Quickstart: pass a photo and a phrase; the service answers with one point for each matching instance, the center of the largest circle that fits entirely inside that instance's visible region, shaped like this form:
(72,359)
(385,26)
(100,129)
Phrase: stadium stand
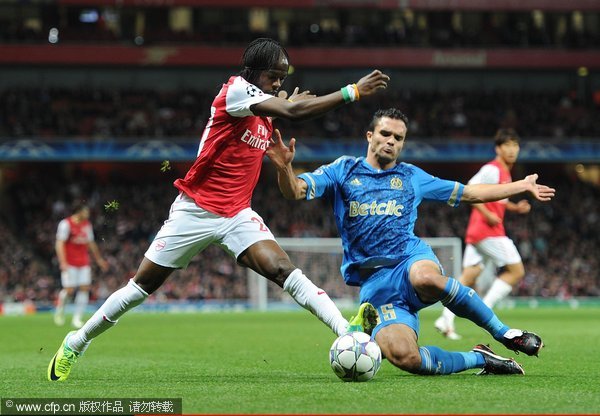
(100,72)
(102,114)
(557,241)
(362,24)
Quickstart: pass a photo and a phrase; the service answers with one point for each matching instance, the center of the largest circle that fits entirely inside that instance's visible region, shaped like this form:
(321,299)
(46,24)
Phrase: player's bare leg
(398,343)
(269,260)
(470,274)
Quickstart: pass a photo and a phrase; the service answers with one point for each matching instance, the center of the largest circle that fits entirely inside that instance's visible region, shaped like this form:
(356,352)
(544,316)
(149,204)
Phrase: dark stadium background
(95,95)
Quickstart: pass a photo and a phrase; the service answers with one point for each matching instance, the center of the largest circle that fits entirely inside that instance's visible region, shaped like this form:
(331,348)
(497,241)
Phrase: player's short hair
(261,54)
(505,135)
(78,206)
(390,113)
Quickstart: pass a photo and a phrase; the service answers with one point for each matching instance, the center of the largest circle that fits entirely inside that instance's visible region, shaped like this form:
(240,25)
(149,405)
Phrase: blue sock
(435,360)
(465,302)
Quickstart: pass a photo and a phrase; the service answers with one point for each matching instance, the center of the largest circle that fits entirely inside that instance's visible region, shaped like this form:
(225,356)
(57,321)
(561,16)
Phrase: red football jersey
(76,236)
(491,173)
(231,151)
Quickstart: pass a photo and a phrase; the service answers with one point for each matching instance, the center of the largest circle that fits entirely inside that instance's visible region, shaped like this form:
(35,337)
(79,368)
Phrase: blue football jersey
(375,210)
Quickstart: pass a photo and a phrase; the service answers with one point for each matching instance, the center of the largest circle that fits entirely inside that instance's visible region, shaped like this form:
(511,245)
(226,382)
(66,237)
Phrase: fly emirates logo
(259,140)
(374,208)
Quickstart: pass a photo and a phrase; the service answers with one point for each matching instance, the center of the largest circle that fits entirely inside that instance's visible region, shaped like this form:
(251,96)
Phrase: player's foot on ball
(522,341)
(60,365)
(494,364)
(365,320)
(441,324)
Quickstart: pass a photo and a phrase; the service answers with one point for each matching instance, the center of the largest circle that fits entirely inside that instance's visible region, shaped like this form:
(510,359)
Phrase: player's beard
(385,160)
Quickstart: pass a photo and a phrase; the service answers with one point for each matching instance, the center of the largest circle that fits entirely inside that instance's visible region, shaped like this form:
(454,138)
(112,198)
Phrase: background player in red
(213,206)
(74,240)
(486,239)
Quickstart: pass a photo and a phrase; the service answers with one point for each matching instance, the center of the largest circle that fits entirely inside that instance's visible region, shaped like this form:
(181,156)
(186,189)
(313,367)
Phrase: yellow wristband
(356,94)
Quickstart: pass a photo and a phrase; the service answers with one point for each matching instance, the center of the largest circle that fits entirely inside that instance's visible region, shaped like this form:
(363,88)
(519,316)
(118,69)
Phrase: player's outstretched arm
(312,106)
(282,156)
(372,83)
(540,192)
(296,95)
(477,193)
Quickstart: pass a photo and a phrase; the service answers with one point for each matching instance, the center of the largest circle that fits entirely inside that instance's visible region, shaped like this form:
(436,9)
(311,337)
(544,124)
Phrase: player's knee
(520,272)
(277,269)
(405,359)
(469,275)
(515,272)
(428,281)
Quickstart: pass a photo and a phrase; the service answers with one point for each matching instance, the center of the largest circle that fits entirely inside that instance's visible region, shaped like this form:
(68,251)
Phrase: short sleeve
(62,233)
(90,232)
(488,174)
(321,182)
(436,189)
(241,95)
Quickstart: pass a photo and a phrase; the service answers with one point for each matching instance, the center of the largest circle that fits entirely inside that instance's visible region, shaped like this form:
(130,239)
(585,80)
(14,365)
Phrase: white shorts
(500,250)
(190,229)
(76,276)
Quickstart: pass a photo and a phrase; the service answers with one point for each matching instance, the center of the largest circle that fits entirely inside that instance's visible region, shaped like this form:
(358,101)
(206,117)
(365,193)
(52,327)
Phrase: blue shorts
(390,291)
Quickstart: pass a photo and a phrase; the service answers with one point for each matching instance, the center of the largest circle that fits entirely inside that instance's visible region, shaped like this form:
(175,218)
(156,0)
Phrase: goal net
(320,259)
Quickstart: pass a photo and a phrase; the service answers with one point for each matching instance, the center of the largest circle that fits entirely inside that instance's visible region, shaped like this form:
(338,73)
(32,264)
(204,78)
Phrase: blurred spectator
(348,26)
(559,241)
(103,114)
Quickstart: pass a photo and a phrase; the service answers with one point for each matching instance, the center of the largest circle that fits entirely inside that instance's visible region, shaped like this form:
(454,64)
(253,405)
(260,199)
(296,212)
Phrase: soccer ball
(355,356)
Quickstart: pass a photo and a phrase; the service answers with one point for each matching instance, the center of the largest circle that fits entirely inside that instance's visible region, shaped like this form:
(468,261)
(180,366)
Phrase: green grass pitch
(278,363)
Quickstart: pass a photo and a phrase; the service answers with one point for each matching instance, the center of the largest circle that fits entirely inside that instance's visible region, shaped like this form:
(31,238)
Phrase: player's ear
(369,136)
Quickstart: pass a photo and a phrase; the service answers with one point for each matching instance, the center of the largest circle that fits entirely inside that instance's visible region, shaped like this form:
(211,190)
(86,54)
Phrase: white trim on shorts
(190,229)
(76,276)
(500,250)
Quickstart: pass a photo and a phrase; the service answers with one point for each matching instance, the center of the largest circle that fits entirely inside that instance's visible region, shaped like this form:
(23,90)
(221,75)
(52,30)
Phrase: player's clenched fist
(371,83)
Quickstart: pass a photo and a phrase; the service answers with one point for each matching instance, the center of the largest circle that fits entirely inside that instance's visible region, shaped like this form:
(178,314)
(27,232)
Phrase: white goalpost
(320,259)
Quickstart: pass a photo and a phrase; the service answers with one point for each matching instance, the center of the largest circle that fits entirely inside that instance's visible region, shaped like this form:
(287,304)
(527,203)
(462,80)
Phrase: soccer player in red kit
(74,240)
(486,238)
(213,206)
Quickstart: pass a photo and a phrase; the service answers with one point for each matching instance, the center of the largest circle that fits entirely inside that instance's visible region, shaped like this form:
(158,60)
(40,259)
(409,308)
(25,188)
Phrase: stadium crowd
(350,27)
(558,241)
(103,114)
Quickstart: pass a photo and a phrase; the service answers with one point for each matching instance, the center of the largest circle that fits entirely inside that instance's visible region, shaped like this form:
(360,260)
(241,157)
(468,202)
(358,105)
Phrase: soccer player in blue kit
(375,202)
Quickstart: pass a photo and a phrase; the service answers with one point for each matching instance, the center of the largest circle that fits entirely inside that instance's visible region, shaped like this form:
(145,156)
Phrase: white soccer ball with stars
(355,356)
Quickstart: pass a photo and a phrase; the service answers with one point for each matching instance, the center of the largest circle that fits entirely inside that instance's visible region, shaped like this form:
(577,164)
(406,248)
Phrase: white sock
(60,304)
(81,300)
(499,290)
(315,300)
(449,317)
(106,317)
